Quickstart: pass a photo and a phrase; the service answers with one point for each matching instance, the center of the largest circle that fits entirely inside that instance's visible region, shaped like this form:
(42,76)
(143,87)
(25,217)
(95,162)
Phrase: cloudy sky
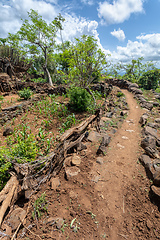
(126,29)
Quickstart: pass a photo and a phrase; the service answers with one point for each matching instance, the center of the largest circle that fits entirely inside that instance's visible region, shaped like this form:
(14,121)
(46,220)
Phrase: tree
(150,79)
(39,37)
(87,61)
(136,68)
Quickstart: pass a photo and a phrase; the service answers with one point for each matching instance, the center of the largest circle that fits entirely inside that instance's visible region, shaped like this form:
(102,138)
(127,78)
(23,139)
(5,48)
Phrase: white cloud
(13,11)
(119,11)
(77,26)
(146,46)
(88,2)
(119,34)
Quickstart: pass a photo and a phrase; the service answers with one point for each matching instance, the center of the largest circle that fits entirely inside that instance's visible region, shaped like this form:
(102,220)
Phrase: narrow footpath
(118,172)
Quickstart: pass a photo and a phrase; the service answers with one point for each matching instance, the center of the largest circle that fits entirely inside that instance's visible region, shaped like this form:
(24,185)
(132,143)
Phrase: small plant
(40,206)
(1,98)
(70,120)
(120,94)
(80,99)
(25,94)
(74,225)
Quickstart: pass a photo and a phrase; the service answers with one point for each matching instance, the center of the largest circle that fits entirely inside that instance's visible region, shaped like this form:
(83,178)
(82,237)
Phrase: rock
(149,141)
(94,136)
(155,190)
(158,142)
(95,178)
(149,131)
(135,90)
(71,172)
(119,145)
(67,161)
(99,160)
(105,140)
(109,114)
(156,178)
(146,162)
(8,131)
(102,150)
(81,146)
(125,138)
(155,104)
(147,105)
(55,183)
(51,221)
(153,125)
(76,160)
(123,113)
(129,130)
(157,120)
(72,194)
(16,217)
(143,119)
(153,153)
(57,221)
(149,224)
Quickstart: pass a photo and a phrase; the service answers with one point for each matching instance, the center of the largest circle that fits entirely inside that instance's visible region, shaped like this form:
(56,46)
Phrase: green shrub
(149,80)
(120,94)
(80,99)
(25,94)
(158,90)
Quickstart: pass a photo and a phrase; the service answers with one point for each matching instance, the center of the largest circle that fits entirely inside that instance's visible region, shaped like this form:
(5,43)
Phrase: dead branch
(12,195)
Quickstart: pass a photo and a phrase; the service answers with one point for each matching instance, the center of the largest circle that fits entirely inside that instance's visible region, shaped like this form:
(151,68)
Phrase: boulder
(149,141)
(147,105)
(149,131)
(143,119)
(8,131)
(94,136)
(153,153)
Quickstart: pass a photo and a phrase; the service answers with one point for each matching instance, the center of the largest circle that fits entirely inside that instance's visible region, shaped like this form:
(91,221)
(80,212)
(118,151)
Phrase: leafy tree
(135,69)
(150,79)
(87,61)
(39,37)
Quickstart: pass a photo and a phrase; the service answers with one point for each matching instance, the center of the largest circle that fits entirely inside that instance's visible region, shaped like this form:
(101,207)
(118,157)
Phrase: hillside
(100,179)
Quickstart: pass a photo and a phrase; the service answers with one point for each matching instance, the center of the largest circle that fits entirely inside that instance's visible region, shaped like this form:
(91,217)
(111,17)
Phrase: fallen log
(10,199)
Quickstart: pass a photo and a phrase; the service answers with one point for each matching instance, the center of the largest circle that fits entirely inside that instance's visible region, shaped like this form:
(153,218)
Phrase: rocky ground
(109,189)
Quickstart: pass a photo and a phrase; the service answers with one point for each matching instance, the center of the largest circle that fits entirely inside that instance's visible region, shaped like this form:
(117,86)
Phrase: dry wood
(77,130)
(7,188)
(9,199)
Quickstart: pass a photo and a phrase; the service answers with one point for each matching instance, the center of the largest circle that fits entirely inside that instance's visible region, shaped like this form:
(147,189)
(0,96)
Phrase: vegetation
(80,99)
(150,79)
(25,94)
(39,206)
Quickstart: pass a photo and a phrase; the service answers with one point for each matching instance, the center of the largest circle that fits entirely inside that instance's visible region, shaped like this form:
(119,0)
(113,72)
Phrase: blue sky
(125,29)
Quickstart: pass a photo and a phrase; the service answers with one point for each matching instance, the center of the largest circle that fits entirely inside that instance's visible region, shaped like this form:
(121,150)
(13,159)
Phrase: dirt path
(119,171)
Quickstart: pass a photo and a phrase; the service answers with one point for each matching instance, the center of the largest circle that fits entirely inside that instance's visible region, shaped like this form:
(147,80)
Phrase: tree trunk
(46,69)
(49,77)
